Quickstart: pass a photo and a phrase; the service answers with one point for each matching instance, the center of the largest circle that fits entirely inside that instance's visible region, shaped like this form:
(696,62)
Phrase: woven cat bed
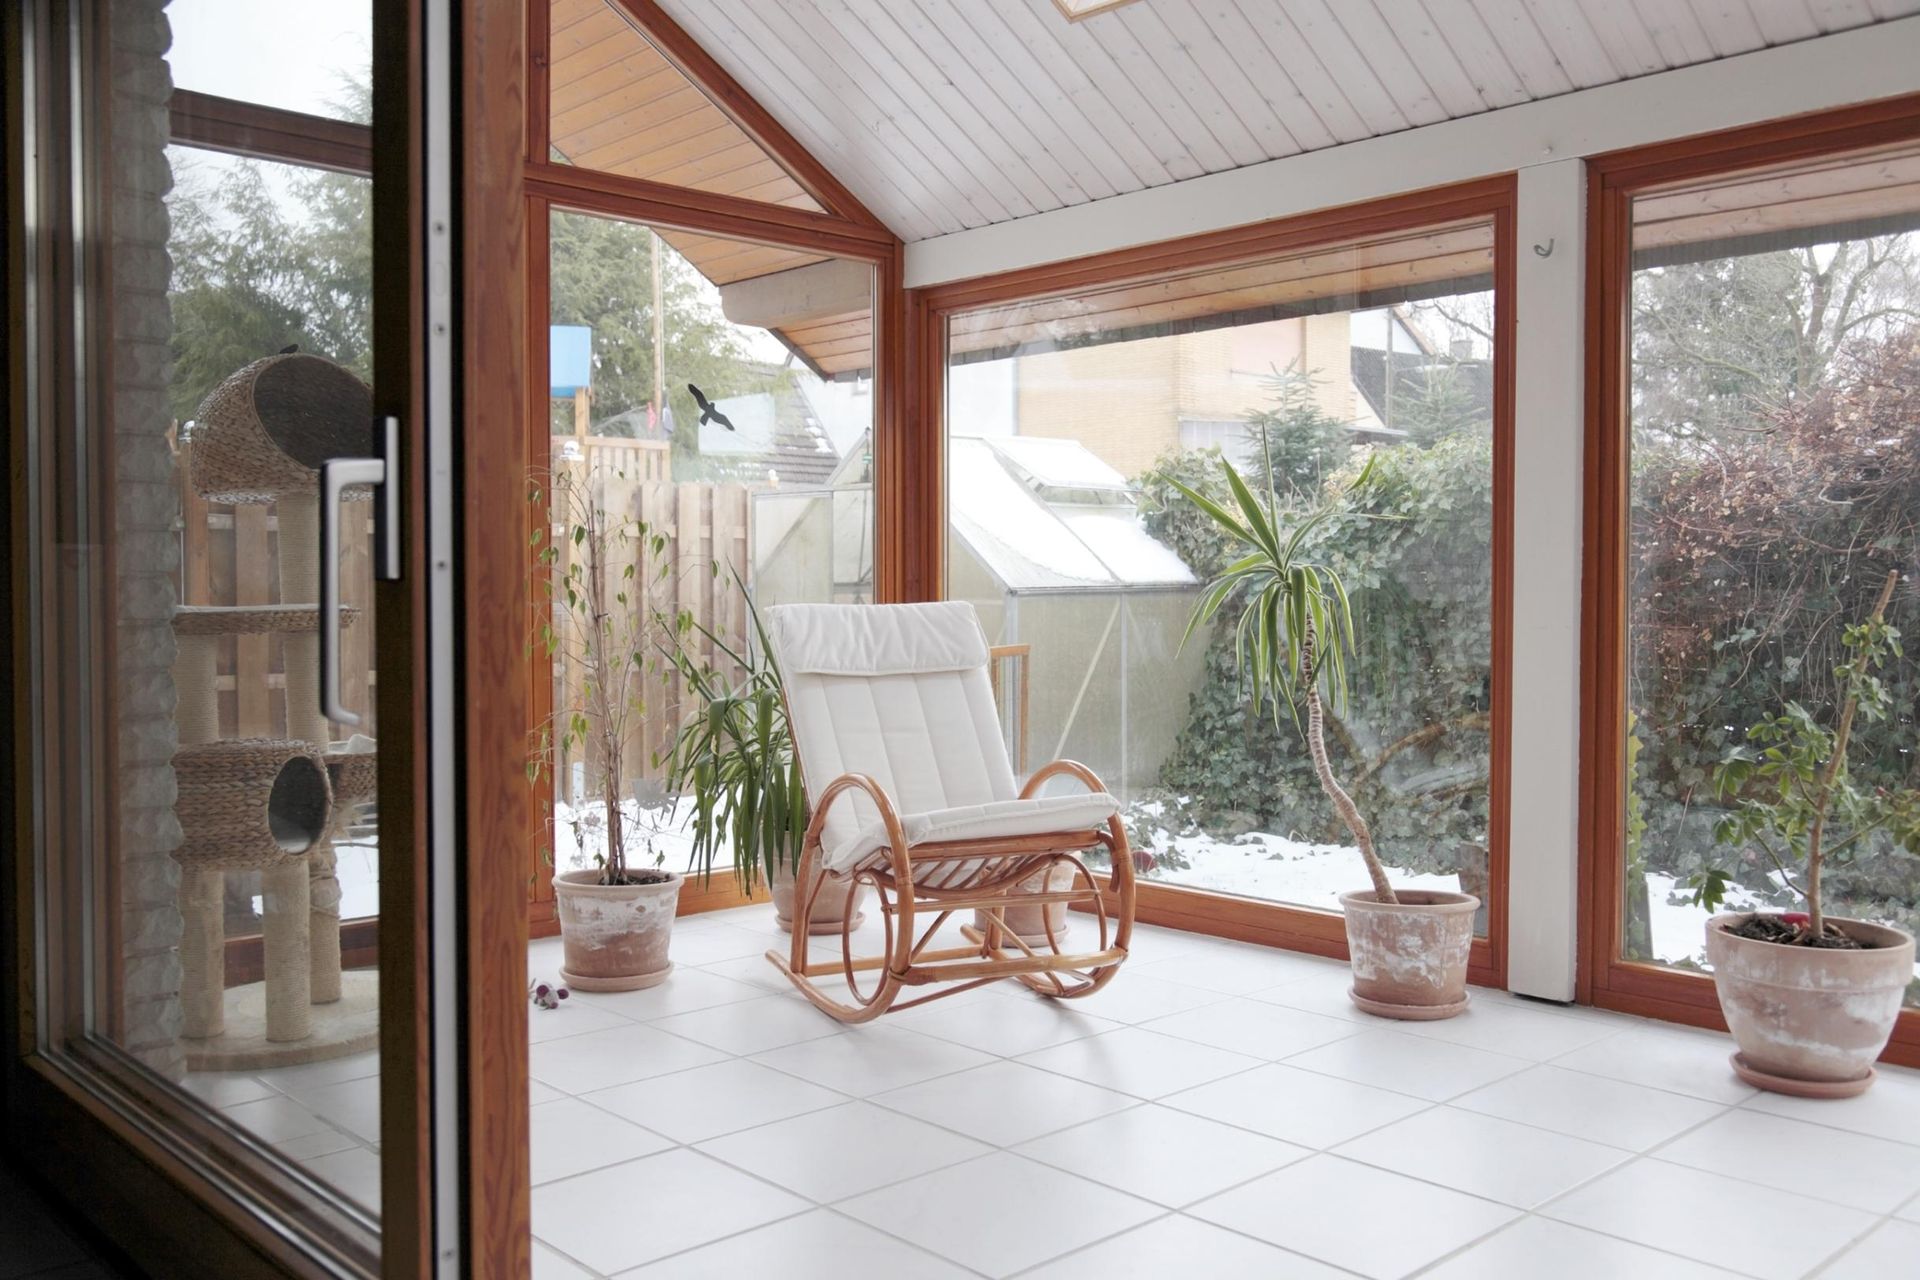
(249,803)
(355,776)
(253,619)
(266,430)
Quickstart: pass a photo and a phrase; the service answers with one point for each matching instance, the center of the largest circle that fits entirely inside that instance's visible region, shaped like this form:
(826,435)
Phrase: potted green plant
(733,757)
(1811,999)
(1294,630)
(616,917)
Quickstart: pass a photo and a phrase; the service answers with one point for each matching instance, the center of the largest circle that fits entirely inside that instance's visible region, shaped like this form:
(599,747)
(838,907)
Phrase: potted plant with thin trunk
(1408,949)
(592,570)
(733,757)
(1811,998)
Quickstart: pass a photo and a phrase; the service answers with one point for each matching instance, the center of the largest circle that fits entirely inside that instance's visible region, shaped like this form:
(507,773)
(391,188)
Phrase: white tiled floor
(1220,1110)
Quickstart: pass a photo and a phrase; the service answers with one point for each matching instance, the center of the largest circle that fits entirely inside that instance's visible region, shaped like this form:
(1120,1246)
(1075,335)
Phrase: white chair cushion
(899,692)
(1040,815)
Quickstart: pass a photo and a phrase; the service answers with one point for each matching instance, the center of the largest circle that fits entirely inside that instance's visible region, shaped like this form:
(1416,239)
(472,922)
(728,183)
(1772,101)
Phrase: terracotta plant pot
(615,936)
(831,907)
(1030,923)
(1809,1020)
(1410,959)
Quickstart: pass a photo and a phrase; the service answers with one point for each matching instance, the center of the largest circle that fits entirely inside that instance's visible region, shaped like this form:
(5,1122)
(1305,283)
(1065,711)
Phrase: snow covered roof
(1005,493)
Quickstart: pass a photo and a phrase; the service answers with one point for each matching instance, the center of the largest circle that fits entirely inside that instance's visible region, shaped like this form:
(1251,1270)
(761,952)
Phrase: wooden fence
(230,555)
(706,531)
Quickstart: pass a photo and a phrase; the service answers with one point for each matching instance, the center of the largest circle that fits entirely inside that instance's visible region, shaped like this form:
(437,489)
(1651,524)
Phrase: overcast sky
(277,52)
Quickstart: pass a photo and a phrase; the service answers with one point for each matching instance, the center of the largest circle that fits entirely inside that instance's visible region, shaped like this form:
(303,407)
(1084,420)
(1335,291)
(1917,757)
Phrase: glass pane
(1775,480)
(616,105)
(230,840)
(1069,423)
(315,57)
(718,426)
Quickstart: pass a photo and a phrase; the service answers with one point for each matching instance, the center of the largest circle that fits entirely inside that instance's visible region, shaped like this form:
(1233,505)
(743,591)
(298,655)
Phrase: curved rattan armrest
(896,836)
(1070,768)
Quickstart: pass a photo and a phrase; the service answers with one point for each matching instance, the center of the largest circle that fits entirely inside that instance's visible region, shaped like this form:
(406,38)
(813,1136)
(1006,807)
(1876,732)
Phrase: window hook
(1546,250)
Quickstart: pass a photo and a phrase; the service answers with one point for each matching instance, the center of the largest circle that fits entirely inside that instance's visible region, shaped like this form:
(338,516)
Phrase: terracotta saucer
(1408,1012)
(1801,1088)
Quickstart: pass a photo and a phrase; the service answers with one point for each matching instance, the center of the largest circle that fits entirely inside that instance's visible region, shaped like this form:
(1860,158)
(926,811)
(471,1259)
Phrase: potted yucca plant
(1811,999)
(733,758)
(592,570)
(1292,635)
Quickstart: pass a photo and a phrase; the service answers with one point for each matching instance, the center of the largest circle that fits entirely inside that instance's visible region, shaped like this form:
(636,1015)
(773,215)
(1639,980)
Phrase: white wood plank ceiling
(948,114)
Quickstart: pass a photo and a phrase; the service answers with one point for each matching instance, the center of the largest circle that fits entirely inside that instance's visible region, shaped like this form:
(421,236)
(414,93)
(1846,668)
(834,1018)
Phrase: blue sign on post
(569,358)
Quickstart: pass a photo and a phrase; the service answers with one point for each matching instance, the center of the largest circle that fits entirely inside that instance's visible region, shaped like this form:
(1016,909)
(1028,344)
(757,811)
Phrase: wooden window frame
(1494,199)
(846,229)
(1604,978)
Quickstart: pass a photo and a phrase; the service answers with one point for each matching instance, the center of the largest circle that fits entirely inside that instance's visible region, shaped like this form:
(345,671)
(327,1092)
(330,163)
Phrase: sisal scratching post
(289,956)
(203,935)
(300,580)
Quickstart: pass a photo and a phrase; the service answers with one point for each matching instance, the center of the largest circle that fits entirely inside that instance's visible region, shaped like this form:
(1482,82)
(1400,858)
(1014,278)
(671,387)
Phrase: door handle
(336,476)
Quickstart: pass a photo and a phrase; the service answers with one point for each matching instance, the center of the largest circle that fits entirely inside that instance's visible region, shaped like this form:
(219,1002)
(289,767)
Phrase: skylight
(1074,10)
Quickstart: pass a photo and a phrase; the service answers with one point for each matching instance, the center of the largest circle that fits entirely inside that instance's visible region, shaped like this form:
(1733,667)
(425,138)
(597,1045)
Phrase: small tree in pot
(1811,999)
(1292,638)
(592,574)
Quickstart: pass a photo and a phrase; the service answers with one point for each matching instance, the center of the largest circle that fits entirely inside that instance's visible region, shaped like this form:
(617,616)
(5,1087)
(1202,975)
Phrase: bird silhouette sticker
(707,412)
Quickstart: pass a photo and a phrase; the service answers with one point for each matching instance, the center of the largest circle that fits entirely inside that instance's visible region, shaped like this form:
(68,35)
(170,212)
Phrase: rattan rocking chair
(900,749)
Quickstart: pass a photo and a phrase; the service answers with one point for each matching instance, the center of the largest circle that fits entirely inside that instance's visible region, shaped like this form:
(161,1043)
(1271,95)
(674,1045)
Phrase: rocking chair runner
(900,749)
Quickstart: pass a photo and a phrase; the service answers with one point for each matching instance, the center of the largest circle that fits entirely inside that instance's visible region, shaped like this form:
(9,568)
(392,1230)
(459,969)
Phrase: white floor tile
(1297,1106)
(1890,1109)
(354,1172)
(570,1136)
(1339,1211)
(225,1088)
(620,1217)
(312,1075)
(871,1059)
(1599,1109)
(275,1119)
(722,942)
(842,1151)
(1326,992)
(353,1105)
(1231,970)
(748,1026)
(1177,1245)
(1432,1069)
(1892,1250)
(999,1214)
(721,1097)
(1136,996)
(1163,1155)
(1912,1210)
(1832,1164)
(1517,1030)
(1142,1063)
(323,1143)
(1007,1027)
(1541,1247)
(1771,1234)
(684,991)
(1004,1102)
(1253,1027)
(1678,1059)
(602,1059)
(538,1093)
(821,1245)
(1515,1164)
(548,1265)
(574,1016)
(755,971)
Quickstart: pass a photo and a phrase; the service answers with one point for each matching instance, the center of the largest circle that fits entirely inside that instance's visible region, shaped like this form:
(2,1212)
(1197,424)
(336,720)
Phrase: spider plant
(734,755)
(1294,630)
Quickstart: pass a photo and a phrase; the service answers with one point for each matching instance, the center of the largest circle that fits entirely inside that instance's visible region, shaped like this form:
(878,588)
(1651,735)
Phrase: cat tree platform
(339,1029)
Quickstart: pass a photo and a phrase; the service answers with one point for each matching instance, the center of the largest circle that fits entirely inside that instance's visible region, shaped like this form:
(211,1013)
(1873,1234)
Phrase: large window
(1069,419)
(1773,482)
(717,397)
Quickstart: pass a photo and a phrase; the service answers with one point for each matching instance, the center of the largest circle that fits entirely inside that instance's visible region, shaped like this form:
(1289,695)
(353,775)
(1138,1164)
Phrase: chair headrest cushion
(876,639)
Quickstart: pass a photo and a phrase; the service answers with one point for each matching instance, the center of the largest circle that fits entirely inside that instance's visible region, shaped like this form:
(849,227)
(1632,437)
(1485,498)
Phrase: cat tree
(275,805)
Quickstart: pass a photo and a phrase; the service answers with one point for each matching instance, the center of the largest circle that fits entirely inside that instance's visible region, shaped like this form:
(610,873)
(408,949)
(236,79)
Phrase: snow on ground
(1274,868)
